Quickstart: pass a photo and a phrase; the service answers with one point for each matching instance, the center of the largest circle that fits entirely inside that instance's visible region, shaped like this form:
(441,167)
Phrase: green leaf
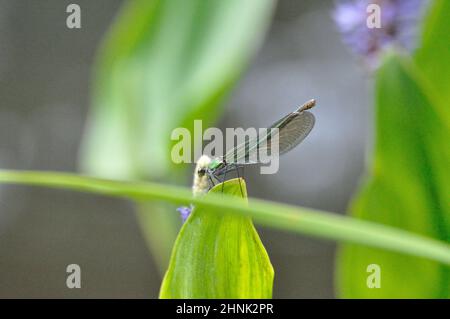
(288,218)
(433,64)
(433,56)
(404,188)
(218,255)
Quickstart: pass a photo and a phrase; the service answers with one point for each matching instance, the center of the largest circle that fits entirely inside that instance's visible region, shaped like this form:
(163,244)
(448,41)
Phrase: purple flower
(399,24)
(185,211)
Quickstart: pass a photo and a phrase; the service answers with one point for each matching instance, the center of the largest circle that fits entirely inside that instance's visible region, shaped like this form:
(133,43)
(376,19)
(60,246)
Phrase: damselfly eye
(201,172)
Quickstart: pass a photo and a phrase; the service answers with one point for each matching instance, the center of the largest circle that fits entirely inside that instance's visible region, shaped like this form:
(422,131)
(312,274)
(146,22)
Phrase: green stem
(296,219)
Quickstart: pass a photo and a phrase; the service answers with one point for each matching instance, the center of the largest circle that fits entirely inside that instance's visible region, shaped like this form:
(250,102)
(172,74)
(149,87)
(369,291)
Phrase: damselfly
(289,132)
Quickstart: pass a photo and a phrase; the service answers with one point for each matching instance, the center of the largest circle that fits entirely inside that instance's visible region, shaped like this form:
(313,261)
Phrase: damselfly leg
(223,180)
(239,179)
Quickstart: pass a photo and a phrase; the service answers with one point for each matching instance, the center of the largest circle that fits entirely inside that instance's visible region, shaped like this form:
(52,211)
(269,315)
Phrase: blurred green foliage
(163,64)
(409,179)
(219,255)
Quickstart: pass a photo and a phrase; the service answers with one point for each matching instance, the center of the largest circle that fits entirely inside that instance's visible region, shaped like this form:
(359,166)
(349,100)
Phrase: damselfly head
(200,184)
(203,163)
(201,172)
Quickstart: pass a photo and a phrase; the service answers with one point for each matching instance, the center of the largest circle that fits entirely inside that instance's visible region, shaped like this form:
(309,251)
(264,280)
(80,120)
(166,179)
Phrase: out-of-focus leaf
(432,58)
(160,224)
(433,62)
(403,189)
(218,255)
(409,185)
(163,64)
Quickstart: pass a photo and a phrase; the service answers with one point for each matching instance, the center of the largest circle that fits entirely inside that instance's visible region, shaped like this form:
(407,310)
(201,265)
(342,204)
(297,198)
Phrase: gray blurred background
(45,71)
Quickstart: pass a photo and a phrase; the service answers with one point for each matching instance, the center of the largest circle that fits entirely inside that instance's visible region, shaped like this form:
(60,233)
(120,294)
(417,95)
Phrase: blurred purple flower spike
(185,211)
(400,21)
